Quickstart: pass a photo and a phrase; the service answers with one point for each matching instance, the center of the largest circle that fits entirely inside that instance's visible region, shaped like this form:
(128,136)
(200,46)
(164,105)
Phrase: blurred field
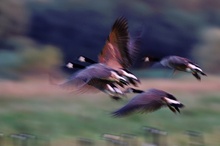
(38,36)
(34,106)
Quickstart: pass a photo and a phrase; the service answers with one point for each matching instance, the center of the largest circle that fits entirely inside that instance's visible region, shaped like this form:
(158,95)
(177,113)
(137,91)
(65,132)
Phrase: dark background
(76,27)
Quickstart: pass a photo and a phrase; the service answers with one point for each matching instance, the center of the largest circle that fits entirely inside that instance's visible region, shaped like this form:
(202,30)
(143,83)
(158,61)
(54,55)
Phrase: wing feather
(115,53)
(142,103)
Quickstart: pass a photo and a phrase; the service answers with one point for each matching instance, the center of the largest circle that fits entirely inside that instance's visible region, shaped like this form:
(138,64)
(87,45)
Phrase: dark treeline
(81,27)
(169,31)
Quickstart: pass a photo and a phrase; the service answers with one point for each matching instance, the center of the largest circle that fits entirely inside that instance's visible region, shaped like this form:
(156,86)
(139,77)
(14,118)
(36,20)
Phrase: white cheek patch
(194,67)
(171,101)
(82,59)
(146,59)
(69,65)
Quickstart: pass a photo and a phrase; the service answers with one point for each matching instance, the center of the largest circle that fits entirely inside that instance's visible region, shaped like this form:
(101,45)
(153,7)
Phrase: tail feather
(176,107)
(202,73)
(180,105)
(116,98)
(133,82)
(196,75)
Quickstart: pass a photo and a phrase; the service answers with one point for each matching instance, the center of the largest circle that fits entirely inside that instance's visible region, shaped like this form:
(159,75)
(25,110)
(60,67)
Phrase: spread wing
(86,76)
(115,52)
(93,86)
(142,103)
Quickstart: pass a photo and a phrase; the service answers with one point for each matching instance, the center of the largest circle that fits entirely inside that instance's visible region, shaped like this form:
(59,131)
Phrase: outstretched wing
(83,77)
(142,103)
(115,52)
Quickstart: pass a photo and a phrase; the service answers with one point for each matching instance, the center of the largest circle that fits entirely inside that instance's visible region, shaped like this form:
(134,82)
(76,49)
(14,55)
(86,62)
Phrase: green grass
(58,118)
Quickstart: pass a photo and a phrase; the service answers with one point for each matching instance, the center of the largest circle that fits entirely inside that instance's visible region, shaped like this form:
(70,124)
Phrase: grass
(63,118)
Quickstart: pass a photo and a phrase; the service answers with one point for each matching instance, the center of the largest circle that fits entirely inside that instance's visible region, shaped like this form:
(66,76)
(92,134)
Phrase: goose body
(119,51)
(94,78)
(105,74)
(148,101)
(181,64)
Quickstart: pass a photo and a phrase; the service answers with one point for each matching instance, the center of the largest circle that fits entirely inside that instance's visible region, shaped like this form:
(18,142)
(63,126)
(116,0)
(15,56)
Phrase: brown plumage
(148,101)
(119,51)
(115,53)
(179,63)
(112,60)
(94,78)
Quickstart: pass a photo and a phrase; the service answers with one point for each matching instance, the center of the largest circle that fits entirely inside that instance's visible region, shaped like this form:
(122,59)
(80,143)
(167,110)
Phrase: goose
(122,71)
(119,51)
(106,73)
(148,101)
(179,63)
(93,77)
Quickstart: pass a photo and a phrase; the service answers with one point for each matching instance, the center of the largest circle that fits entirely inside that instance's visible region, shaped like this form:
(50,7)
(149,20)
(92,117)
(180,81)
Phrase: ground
(37,107)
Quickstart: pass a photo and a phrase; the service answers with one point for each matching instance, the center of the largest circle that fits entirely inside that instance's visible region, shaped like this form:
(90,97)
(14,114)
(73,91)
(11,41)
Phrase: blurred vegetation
(56,117)
(13,18)
(168,27)
(37,35)
(208,50)
(25,59)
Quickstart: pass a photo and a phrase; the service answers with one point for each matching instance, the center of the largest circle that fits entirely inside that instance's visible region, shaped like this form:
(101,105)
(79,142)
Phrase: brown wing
(83,77)
(144,103)
(115,52)
(78,86)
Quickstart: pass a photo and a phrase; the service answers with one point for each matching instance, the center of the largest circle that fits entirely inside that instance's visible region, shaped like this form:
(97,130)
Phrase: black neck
(153,59)
(137,91)
(75,65)
(89,60)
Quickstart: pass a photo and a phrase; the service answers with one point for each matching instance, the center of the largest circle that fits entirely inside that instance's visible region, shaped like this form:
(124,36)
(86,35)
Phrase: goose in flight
(148,101)
(119,51)
(179,63)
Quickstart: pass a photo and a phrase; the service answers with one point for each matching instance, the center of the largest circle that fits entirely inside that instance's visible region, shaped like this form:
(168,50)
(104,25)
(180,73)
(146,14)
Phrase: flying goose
(179,63)
(119,51)
(94,78)
(109,71)
(148,101)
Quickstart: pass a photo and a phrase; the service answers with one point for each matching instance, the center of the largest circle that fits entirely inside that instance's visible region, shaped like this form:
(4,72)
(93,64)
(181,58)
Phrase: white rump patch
(110,88)
(194,67)
(128,74)
(116,76)
(118,91)
(171,101)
